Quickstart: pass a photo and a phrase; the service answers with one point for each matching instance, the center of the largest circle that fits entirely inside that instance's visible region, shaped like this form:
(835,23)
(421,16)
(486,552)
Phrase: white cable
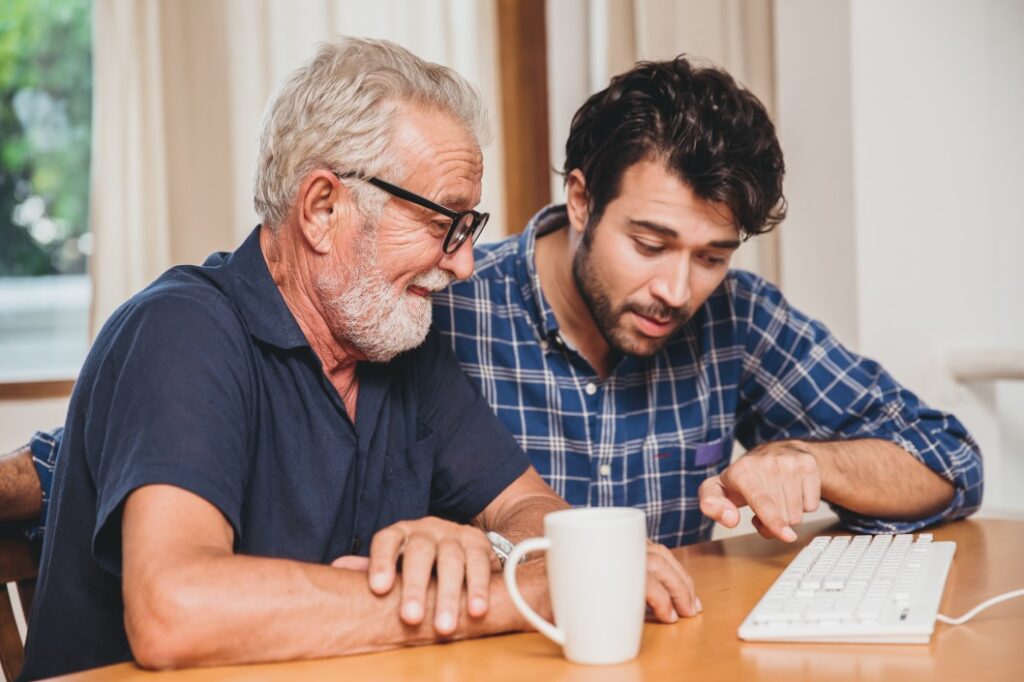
(979,608)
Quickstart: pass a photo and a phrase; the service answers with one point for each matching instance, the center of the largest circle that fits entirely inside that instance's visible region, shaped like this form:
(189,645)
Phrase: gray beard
(364,312)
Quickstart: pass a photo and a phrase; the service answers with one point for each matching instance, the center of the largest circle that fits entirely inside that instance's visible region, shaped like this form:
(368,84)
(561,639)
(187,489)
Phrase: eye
(712,261)
(647,248)
(439,228)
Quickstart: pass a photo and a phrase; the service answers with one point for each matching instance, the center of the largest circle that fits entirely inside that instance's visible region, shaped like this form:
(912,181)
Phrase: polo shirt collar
(545,221)
(257,297)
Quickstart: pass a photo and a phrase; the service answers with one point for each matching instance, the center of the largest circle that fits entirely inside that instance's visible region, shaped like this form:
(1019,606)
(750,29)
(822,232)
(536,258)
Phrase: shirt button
(590,388)
(356,546)
(605,469)
(544,344)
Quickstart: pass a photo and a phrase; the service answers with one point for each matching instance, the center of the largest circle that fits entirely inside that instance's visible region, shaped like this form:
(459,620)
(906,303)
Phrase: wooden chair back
(18,565)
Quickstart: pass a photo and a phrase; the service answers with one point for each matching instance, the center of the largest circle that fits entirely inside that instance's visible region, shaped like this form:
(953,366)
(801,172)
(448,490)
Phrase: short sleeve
(168,406)
(799,382)
(478,458)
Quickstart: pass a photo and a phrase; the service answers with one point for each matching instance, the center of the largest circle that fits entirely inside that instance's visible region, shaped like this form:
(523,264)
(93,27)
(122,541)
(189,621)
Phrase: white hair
(336,113)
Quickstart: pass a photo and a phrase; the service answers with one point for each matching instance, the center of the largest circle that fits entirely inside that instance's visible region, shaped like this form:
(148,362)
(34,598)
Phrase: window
(45,121)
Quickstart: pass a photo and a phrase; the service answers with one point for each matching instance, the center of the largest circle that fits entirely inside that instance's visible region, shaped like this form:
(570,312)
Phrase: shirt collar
(257,297)
(545,221)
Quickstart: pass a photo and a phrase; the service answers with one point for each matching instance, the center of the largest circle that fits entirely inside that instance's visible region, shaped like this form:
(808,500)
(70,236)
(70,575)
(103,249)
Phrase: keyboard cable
(979,608)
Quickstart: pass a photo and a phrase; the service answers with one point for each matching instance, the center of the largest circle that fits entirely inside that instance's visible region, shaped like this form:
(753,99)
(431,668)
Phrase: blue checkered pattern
(748,367)
(43,447)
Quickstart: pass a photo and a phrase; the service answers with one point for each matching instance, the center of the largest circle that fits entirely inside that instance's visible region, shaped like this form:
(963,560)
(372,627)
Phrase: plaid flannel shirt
(43,446)
(747,367)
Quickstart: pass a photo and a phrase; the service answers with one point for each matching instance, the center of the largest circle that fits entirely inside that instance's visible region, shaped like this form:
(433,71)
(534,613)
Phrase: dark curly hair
(708,129)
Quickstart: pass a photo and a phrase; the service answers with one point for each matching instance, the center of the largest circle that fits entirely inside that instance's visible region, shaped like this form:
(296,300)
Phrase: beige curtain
(129,203)
(592,40)
(179,89)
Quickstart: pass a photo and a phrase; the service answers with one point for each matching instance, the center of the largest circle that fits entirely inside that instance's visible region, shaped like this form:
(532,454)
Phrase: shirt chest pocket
(671,456)
(408,472)
(679,469)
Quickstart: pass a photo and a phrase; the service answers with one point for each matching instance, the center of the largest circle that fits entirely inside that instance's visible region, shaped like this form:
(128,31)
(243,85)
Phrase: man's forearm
(526,519)
(236,609)
(878,478)
(518,513)
(21,497)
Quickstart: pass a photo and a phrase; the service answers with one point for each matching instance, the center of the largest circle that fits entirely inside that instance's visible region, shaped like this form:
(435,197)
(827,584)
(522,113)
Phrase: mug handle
(518,552)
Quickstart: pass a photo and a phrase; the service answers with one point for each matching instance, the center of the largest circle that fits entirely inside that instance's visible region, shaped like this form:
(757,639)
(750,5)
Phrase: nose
(672,287)
(460,263)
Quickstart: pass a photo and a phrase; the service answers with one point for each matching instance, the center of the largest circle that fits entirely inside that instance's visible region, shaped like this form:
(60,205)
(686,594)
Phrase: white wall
(901,127)
(19,419)
(814,118)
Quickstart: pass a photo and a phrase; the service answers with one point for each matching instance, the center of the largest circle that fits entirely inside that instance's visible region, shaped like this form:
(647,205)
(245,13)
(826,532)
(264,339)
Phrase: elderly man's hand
(464,551)
(670,591)
(780,481)
(461,554)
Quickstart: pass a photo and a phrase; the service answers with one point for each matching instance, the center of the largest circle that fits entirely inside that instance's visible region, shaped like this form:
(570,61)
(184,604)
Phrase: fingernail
(479,606)
(788,534)
(696,602)
(673,617)
(378,581)
(729,516)
(412,611)
(445,622)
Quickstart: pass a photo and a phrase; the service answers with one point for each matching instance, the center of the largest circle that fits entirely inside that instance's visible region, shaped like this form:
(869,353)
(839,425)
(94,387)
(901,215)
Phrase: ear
(577,201)
(325,207)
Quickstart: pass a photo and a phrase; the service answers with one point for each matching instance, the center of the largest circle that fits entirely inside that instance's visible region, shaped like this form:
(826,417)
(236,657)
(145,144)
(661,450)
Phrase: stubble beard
(608,317)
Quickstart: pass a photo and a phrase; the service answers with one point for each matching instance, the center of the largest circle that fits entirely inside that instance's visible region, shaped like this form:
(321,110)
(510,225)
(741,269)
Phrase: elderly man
(237,427)
(626,357)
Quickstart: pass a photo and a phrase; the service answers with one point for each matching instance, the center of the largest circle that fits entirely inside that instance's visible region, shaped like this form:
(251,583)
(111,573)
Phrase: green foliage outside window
(45,128)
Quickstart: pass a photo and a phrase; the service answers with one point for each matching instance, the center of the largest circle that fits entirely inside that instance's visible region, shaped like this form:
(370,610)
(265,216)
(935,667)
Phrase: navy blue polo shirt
(205,381)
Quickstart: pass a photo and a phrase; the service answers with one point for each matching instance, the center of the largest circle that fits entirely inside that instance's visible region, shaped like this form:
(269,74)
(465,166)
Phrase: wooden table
(731,575)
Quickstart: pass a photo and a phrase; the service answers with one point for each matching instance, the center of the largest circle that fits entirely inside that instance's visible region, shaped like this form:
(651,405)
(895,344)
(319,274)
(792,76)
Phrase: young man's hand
(670,590)
(779,481)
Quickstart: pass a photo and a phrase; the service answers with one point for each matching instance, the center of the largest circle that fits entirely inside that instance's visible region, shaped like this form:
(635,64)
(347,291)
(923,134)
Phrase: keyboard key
(811,583)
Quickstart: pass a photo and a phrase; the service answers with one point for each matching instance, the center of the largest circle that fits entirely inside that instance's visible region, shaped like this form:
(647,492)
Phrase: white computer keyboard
(881,589)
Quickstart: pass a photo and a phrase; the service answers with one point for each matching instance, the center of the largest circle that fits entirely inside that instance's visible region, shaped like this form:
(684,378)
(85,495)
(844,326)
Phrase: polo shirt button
(606,469)
(544,344)
(590,388)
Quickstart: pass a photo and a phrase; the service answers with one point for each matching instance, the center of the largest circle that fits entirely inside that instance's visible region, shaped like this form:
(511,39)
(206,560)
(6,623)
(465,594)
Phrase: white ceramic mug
(597,574)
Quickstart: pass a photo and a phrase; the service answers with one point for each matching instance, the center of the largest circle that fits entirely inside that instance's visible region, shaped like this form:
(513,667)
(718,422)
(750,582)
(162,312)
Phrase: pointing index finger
(773,517)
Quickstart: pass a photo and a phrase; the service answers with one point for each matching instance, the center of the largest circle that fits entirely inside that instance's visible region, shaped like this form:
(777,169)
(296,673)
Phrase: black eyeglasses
(464,223)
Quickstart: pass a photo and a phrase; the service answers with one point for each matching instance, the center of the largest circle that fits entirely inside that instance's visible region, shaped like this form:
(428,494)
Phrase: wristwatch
(502,547)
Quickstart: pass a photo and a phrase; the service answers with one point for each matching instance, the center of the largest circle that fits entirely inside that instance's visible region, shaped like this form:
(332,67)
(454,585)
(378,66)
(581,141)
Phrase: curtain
(128,202)
(179,90)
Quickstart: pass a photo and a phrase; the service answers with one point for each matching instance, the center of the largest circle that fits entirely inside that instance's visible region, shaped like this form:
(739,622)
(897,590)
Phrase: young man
(614,342)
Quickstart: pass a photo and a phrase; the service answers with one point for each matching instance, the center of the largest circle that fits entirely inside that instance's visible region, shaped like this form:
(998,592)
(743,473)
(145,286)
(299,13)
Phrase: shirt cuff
(959,507)
(43,447)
